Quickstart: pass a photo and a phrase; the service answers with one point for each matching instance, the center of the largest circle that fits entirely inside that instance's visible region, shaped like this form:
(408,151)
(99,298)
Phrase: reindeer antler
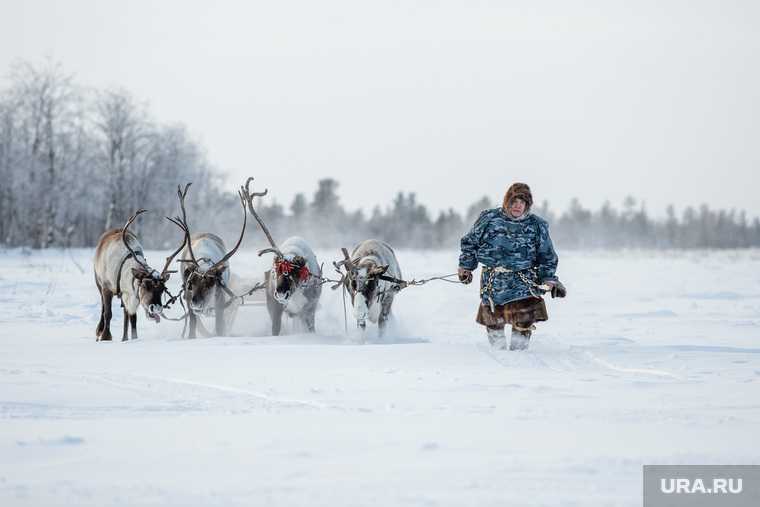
(182,222)
(240,239)
(347,262)
(246,192)
(126,243)
(185,237)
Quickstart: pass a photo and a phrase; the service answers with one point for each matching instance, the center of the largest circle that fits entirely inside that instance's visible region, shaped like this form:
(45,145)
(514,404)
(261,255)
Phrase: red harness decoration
(285,267)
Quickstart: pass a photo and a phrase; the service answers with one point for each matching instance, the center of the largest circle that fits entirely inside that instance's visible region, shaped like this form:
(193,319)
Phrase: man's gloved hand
(558,290)
(465,275)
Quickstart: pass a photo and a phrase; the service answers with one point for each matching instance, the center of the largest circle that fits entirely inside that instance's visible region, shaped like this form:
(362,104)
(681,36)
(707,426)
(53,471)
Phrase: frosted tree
(46,114)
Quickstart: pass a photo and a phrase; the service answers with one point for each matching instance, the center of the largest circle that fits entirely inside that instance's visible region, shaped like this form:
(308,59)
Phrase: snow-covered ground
(654,358)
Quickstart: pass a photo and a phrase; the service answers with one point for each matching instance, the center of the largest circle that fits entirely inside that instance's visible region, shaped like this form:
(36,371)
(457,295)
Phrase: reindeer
(205,272)
(293,284)
(369,272)
(122,271)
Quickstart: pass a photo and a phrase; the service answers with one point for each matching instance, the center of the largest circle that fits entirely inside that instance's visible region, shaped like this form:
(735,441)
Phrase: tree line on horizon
(408,223)
(76,161)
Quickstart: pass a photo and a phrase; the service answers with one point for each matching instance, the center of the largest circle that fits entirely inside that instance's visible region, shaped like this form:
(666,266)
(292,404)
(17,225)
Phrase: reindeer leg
(106,334)
(308,320)
(275,313)
(101,323)
(382,321)
(361,325)
(125,335)
(133,322)
(202,329)
(192,318)
(277,322)
(219,312)
(193,324)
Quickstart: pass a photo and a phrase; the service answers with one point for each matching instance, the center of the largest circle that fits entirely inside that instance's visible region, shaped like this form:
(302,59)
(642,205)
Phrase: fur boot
(497,337)
(519,340)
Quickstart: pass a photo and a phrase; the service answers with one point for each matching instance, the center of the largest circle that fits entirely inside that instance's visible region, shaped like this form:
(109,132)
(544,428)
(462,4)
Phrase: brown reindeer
(122,271)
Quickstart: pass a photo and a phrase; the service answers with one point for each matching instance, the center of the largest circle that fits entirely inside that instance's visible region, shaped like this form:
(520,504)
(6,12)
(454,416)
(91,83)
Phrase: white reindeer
(293,284)
(206,273)
(370,271)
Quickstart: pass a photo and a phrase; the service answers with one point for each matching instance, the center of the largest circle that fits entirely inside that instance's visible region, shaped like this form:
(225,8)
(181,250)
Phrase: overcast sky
(452,100)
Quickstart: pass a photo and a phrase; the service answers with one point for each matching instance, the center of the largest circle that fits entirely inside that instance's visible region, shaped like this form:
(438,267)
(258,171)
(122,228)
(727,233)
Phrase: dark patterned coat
(521,245)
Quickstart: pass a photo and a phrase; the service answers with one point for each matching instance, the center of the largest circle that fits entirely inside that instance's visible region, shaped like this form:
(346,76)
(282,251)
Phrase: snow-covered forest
(75,161)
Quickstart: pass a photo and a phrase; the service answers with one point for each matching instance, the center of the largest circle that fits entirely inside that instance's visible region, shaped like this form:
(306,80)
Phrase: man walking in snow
(518,257)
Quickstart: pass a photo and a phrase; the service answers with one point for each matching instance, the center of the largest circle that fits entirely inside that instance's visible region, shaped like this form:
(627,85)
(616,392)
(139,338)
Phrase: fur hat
(518,190)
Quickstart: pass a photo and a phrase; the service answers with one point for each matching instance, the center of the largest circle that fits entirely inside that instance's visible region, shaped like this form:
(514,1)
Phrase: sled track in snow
(154,395)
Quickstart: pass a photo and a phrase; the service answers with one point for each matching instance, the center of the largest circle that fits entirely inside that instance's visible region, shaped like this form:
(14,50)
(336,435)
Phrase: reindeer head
(202,277)
(288,275)
(363,285)
(149,284)
(150,291)
(201,286)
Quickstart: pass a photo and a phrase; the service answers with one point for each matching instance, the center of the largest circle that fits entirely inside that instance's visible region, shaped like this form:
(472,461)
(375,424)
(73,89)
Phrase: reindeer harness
(118,279)
(118,273)
(121,267)
(285,267)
